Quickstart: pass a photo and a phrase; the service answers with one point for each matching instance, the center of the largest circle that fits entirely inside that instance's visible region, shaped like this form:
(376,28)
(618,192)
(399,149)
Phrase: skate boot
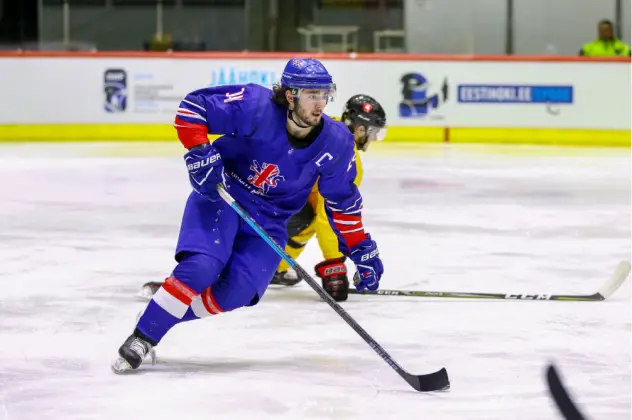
(286,278)
(132,353)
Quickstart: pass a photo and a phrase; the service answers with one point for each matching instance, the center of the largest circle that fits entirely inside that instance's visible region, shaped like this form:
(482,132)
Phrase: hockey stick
(436,381)
(611,286)
(560,395)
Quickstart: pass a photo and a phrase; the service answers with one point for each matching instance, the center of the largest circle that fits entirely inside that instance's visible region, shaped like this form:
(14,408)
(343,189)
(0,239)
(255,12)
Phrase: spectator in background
(161,42)
(607,45)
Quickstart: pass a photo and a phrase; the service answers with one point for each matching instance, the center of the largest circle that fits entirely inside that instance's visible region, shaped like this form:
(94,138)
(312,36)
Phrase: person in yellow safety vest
(366,119)
(607,45)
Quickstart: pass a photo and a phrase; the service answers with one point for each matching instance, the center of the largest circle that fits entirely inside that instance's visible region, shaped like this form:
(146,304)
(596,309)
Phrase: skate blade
(145,294)
(120,366)
(152,356)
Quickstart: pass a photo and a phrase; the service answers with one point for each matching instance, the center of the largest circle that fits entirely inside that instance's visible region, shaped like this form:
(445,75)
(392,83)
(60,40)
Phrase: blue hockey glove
(206,170)
(366,257)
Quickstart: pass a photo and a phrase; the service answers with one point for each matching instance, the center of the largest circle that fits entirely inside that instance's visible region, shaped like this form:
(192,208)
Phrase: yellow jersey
(325,235)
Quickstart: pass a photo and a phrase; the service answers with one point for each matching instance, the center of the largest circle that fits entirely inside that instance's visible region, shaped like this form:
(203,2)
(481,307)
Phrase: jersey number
(237,96)
(353,159)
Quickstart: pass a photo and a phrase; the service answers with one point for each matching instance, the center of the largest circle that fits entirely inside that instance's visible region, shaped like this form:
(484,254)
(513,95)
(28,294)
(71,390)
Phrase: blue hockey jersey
(268,176)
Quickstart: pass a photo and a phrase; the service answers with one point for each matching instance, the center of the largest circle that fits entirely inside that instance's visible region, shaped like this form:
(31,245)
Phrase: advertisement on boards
(139,91)
(552,98)
(239,75)
(142,92)
(115,90)
(422,97)
(414,93)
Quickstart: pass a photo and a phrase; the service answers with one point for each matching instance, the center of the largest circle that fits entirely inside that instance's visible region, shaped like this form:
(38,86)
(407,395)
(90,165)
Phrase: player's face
(364,136)
(361,140)
(310,106)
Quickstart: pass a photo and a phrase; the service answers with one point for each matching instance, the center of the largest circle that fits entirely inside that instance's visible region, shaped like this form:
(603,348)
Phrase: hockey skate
(132,353)
(286,278)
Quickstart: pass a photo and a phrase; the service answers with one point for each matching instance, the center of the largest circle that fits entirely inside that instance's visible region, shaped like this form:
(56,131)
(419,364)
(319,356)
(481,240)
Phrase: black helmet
(363,110)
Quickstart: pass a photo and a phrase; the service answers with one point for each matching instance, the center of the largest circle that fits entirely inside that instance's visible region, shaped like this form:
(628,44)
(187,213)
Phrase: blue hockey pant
(223,264)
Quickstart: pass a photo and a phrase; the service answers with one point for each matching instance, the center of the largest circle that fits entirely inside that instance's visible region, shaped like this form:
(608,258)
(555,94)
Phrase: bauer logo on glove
(336,269)
(205,171)
(366,257)
(373,254)
(200,164)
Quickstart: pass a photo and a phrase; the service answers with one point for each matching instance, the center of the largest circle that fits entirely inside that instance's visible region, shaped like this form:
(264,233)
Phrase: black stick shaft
(431,382)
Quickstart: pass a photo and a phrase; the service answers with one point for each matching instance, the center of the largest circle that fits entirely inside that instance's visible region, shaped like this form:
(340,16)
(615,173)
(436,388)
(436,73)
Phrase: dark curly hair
(279,97)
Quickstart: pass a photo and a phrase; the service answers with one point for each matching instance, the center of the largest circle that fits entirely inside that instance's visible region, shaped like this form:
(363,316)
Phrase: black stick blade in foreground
(563,401)
(437,381)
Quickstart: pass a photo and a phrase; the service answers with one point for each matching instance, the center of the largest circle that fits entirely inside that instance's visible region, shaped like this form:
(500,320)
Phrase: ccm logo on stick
(528,297)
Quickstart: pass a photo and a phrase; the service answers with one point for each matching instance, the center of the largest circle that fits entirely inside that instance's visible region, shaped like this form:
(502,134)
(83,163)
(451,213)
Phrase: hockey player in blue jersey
(275,145)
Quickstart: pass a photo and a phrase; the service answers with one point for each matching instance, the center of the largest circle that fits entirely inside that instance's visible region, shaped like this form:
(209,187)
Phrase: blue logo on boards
(419,96)
(515,94)
(115,90)
(236,76)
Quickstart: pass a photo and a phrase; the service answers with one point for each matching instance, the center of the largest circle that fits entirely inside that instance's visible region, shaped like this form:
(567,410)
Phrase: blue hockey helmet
(307,73)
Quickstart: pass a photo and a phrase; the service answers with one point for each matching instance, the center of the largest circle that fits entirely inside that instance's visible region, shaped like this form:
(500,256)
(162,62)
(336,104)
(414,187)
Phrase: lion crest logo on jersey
(266,176)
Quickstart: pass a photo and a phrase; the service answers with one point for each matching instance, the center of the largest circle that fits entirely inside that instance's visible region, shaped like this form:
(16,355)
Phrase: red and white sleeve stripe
(348,222)
(191,124)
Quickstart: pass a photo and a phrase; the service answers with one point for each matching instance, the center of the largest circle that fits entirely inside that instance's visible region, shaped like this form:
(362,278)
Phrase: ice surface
(83,226)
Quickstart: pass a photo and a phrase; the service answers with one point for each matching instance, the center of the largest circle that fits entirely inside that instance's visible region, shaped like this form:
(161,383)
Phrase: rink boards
(507,100)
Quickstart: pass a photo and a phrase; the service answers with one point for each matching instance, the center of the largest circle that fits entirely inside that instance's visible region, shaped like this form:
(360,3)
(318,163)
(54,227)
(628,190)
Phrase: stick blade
(617,279)
(561,397)
(437,381)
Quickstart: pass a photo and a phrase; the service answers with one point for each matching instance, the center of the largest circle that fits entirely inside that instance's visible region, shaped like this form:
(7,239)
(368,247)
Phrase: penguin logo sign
(420,96)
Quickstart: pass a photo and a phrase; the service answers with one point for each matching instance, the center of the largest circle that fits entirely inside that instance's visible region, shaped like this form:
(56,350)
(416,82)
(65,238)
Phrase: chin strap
(290,116)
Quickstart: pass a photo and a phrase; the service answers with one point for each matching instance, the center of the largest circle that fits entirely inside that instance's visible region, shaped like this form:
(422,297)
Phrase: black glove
(334,276)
